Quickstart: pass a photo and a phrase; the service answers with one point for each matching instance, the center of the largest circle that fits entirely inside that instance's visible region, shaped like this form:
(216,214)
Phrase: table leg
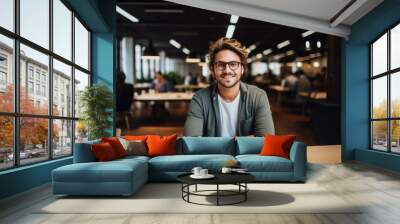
(245,193)
(217,194)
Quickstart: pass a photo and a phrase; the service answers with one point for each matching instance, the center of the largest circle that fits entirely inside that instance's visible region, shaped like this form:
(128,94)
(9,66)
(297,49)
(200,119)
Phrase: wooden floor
(376,189)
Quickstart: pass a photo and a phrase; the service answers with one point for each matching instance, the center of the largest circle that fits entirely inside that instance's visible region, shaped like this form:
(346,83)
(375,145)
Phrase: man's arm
(263,123)
(195,119)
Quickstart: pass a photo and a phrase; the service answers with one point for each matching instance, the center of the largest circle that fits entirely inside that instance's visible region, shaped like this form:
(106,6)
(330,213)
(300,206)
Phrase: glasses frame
(227,63)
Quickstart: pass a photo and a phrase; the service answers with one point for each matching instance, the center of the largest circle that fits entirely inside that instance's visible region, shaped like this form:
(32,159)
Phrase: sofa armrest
(83,152)
(298,155)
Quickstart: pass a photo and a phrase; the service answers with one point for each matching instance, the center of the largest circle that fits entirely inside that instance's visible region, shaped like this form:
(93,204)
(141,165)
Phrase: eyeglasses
(233,65)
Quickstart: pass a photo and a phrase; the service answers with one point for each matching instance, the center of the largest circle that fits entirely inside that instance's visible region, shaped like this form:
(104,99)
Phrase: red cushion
(161,145)
(116,145)
(277,145)
(103,151)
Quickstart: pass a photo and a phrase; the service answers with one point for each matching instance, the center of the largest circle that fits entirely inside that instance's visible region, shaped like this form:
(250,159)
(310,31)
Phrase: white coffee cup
(226,170)
(196,170)
(203,172)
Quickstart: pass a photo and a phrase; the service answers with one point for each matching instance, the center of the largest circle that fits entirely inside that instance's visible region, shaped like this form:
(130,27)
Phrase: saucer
(208,176)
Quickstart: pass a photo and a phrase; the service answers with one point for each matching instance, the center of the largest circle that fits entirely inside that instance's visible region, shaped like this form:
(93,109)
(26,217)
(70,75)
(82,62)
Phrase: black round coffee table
(238,179)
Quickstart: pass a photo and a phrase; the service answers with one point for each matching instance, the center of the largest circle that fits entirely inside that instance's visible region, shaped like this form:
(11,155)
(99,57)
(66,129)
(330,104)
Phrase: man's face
(227,68)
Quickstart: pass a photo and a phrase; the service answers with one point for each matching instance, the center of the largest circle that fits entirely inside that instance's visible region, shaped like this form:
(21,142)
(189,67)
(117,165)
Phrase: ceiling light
(319,44)
(278,57)
(193,60)
(307,44)
(234,19)
(267,52)
(283,44)
(307,33)
(259,56)
(174,43)
(251,48)
(299,64)
(126,14)
(316,64)
(229,31)
(185,50)
(163,10)
(291,52)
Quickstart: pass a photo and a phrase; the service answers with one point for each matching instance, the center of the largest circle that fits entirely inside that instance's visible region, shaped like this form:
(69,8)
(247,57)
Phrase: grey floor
(378,189)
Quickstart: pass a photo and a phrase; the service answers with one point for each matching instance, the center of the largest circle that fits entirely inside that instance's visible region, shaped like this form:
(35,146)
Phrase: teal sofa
(125,176)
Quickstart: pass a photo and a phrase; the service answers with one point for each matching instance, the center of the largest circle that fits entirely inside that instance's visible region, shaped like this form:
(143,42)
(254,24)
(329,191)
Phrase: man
(229,107)
(124,99)
(159,83)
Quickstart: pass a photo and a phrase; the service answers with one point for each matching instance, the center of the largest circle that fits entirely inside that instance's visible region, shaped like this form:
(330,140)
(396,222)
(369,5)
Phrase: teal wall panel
(355,91)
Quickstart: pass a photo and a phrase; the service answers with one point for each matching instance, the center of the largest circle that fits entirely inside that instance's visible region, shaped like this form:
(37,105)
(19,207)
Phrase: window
(385,94)
(34,22)
(7,14)
(30,87)
(3,78)
(30,72)
(62,29)
(45,131)
(81,45)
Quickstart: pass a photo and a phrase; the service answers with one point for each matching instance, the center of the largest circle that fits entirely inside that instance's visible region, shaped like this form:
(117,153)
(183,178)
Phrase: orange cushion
(161,145)
(103,151)
(116,145)
(277,145)
(136,137)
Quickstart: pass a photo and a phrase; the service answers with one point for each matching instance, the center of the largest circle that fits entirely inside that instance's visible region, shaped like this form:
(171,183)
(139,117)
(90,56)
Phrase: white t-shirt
(229,114)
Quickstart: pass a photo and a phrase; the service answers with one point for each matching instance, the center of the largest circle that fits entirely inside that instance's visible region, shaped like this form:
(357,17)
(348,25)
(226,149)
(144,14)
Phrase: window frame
(16,114)
(388,74)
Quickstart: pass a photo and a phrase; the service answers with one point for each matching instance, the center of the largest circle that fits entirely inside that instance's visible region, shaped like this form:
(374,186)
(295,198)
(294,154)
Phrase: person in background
(124,98)
(160,84)
(188,79)
(229,107)
(291,80)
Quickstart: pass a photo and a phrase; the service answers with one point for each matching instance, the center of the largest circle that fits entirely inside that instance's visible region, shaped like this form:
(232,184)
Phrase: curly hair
(225,43)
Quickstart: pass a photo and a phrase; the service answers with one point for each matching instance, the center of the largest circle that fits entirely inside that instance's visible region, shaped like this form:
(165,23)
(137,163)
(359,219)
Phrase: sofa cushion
(134,147)
(277,145)
(185,163)
(161,145)
(208,145)
(249,145)
(103,151)
(112,171)
(257,163)
(116,145)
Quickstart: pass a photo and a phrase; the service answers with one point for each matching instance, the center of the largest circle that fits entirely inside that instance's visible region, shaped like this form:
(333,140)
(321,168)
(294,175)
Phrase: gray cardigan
(254,118)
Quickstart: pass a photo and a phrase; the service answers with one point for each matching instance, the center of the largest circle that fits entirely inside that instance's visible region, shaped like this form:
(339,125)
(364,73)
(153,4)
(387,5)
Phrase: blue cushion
(257,163)
(208,145)
(249,145)
(83,153)
(185,163)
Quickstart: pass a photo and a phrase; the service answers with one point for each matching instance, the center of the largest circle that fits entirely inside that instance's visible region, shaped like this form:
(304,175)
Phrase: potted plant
(96,104)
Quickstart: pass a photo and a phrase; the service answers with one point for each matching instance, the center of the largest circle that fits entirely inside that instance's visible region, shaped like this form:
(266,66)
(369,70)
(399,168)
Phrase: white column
(127,49)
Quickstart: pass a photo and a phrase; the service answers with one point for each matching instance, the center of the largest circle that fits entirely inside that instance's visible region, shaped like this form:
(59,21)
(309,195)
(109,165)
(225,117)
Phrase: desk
(280,90)
(190,87)
(168,96)
(158,108)
(139,87)
(321,95)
